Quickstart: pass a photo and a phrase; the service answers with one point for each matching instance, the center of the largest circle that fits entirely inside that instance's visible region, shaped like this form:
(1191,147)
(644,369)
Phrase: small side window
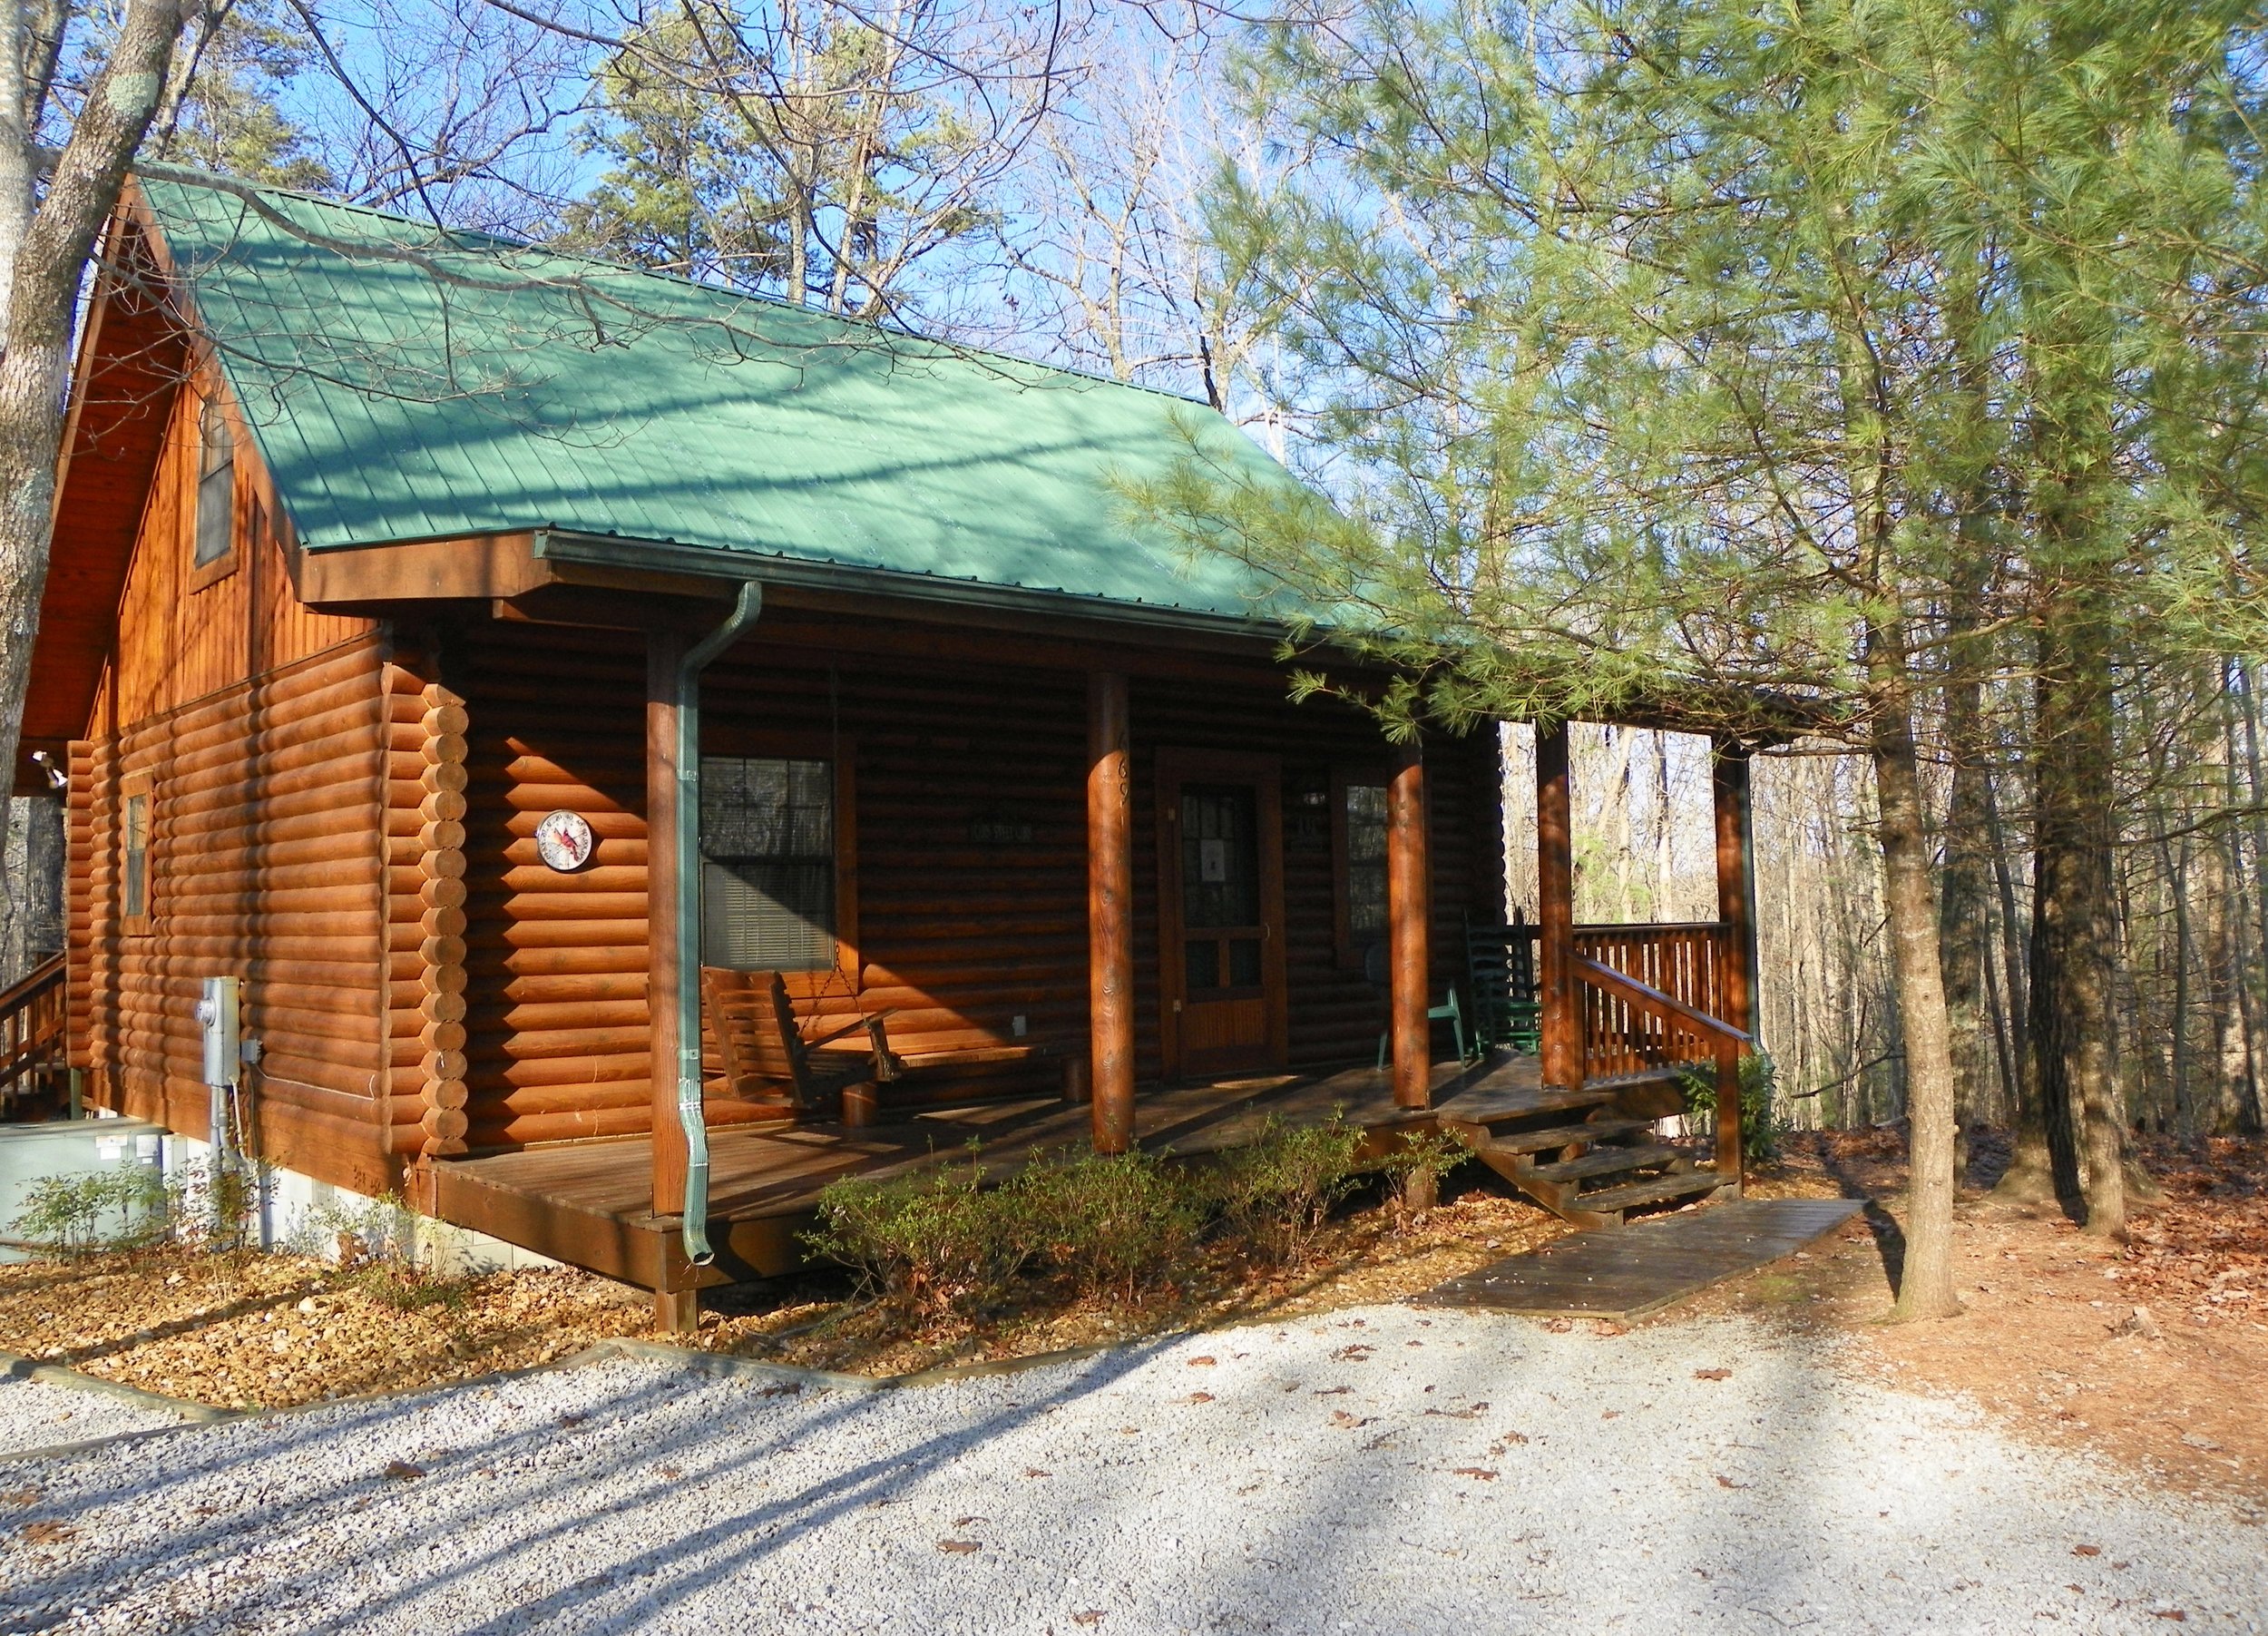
(135,865)
(1358,843)
(216,487)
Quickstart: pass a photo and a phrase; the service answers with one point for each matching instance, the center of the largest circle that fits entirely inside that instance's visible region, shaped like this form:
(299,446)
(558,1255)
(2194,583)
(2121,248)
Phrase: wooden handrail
(1652,999)
(32,984)
(1726,1042)
(33,1019)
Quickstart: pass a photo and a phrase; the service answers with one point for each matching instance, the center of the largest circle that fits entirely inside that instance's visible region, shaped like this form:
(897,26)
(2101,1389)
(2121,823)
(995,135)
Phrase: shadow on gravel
(463,1500)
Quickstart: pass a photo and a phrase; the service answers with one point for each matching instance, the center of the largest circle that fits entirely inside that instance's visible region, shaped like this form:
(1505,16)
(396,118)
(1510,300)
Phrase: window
(1364,883)
(135,887)
(216,486)
(767,863)
(1220,887)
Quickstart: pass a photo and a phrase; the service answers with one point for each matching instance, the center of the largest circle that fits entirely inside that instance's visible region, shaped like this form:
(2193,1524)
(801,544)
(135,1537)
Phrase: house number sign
(564,840)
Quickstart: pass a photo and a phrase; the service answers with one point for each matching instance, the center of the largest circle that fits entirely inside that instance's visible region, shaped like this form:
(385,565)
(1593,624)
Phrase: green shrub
(1418,1161)
(1759,1125)
(936,1239)
(216,1203)
(91,1211)
(1112,1223)
(1277,1190)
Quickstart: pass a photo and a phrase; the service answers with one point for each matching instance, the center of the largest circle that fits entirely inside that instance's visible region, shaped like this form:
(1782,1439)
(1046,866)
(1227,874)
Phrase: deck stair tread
(1654,1189)
(1603,1162)
(1503,1108)
(1559,1136)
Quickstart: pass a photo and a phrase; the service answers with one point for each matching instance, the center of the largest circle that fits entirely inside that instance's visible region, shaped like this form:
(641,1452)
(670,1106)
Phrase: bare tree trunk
(2073,919)
(2030,1176)
(1961,904)
(1925,1289)
(43,278)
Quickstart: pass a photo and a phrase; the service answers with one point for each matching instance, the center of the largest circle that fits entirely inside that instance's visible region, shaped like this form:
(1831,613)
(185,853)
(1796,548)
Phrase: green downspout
(691,1115)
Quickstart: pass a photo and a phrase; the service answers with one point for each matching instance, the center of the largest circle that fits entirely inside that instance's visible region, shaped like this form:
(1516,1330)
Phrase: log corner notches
(433,718)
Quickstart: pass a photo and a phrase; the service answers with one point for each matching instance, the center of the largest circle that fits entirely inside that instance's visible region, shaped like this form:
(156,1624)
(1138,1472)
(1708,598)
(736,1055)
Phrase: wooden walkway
(590,1204)
(1627,1272)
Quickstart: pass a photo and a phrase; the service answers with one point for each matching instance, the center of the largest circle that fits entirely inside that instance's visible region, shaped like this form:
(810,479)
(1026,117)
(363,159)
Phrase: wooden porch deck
(589,1203)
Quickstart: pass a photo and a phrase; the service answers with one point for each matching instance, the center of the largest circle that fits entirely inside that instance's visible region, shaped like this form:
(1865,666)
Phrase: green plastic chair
(1500,976)
(1448,1011)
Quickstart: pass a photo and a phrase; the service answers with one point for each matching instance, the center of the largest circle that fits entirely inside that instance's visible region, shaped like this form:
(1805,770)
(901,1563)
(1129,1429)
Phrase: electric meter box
(216,1018)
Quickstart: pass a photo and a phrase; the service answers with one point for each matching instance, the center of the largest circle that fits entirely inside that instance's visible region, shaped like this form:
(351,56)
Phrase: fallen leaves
(1726,1481)
(1712,1374)
(2086,1551)
(1347,1422)
(1206,1362)
(1091,1616)
(272,1331)
(1478,1474)
(402,1471)
(1201,1397)
(46,1532)
(960,1547)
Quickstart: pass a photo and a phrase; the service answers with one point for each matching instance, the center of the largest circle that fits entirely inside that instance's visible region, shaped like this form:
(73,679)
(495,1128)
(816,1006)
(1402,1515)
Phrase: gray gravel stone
(36,1414)
(1376,1471)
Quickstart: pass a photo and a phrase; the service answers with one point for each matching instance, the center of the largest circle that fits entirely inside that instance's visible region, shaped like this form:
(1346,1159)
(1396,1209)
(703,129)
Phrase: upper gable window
(216,486)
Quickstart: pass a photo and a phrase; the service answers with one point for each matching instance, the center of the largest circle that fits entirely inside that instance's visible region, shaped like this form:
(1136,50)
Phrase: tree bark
(1925,1287)
(2030,1176)
(42,278)
(2074,920)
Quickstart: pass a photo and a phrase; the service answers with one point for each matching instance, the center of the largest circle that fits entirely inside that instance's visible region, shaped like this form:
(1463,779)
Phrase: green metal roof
(408,385)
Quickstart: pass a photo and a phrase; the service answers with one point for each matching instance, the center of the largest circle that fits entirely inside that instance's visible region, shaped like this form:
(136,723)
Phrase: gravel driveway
(1380,1471)
(35,1414)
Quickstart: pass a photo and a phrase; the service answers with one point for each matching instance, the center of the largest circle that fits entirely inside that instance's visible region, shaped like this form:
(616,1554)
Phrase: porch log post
(1735,882)
(1736,910)
(1111,911)
(1409,922)
(664,649)
(1557,993)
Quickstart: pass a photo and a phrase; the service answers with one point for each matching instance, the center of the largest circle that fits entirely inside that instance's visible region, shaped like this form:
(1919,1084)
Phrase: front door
(1220,832)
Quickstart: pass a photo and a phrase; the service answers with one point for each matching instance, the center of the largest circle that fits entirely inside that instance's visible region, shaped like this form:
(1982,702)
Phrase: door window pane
(1201,964)
(1244,963)
(1220,855)
(767,863)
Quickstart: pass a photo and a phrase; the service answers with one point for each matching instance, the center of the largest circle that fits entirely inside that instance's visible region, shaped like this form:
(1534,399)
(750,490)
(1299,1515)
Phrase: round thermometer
(564,840)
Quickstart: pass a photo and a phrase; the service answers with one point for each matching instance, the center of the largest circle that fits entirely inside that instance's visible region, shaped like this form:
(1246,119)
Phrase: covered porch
(1167,1051)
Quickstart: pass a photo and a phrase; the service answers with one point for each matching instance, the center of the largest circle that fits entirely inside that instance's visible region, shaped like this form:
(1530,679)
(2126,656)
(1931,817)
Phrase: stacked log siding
(262,864)
(966,907)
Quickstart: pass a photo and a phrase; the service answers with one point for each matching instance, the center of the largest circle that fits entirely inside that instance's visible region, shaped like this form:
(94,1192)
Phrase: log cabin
(645,751)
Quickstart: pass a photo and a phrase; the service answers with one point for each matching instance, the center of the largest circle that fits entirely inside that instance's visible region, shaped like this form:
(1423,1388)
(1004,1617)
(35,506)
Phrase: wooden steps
(1561,1136)
(1590,1171)
(1661,1189)
(1609,1160)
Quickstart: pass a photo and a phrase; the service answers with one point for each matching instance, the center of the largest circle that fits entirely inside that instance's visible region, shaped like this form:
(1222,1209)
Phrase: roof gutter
(622,551)
(691,1116)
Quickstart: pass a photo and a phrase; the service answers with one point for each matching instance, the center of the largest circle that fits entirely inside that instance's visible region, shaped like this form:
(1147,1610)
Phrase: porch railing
(32,1015)
(1652,998)
(1682,962)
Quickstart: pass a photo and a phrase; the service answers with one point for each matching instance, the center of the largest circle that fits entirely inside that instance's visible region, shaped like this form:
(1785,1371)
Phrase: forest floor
(2155,1353)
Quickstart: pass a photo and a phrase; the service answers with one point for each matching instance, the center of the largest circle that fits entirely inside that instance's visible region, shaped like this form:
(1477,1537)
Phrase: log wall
(263,864)
(258,729)
(970,880)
